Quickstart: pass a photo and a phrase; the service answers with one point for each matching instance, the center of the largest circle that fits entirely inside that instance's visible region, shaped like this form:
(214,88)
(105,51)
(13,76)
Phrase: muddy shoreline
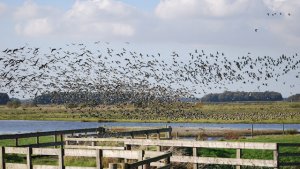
(203,133)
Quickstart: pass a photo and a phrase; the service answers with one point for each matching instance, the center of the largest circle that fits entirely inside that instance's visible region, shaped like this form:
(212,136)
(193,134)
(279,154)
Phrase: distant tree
(3,98)
(294,98)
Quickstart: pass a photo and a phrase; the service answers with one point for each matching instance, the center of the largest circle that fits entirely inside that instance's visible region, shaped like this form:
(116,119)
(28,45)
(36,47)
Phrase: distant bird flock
(96,67)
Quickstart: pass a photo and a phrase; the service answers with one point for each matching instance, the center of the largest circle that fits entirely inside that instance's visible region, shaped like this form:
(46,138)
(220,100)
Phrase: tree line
(92,99)
(295,97)
(140,99)
(242,96)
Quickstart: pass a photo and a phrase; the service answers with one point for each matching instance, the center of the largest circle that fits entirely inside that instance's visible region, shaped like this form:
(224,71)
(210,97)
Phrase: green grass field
(259,112)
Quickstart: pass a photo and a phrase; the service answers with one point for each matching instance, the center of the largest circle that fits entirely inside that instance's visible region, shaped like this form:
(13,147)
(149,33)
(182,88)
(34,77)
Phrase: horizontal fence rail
(62,133)
(196,145)
(183,143)
(48,133)
(55,134)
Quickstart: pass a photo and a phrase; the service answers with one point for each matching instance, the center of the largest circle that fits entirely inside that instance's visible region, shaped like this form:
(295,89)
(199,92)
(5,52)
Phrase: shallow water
(25,126)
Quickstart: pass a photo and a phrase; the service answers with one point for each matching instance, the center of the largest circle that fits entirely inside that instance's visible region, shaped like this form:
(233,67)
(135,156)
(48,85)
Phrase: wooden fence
(96,131)
(145,158)
(196,145)
(94,147)
(55,135)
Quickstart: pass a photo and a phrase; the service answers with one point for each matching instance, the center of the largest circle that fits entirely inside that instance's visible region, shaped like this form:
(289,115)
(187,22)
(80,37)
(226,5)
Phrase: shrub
(291,131)
(27,105)
(71,105)
(232,136)
(14,103)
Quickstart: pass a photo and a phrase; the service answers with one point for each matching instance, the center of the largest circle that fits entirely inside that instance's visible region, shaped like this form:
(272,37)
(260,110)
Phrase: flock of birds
(275,14)
(97,67)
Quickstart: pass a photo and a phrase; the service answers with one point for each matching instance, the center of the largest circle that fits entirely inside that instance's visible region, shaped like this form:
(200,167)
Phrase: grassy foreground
(258,112)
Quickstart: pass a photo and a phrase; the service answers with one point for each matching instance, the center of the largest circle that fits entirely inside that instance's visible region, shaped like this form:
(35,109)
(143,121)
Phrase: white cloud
(220,22)
(102,17)
(35,28)
(33,20)
(230,21)
(99,9)
(86,18)
(172,9)
(123,29)
(27,11)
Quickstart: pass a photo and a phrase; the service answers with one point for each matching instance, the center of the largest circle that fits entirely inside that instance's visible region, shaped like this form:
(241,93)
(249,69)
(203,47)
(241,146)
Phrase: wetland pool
(26,126)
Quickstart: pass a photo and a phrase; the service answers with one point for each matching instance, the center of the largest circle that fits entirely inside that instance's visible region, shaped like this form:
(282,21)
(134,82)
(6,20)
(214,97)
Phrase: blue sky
(142,4)
(159,26)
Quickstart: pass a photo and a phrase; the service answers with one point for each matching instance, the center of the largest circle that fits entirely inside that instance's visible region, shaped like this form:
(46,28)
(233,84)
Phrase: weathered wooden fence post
(17,142)
(127,147)
(158,148)
(37,140)
(61,164)
(141,157)
(169,133)
(195,165)
(28,158)
(66,142)
(55,139)
(99,159)
(93,143)
(252,133)
(276,156)
(238,156)
(62,140)
(112,166)
(125,166)
(147,137)
(2,158)
(131,135)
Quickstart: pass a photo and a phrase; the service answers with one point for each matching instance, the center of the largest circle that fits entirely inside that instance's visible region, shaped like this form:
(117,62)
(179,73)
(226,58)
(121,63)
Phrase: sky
(235,27)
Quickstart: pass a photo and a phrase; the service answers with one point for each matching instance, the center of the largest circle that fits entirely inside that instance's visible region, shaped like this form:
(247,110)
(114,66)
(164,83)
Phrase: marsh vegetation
(243,112)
